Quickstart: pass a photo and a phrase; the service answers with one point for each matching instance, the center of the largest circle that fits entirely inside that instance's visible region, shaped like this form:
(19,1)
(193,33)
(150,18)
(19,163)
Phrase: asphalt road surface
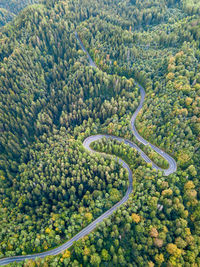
(86,144)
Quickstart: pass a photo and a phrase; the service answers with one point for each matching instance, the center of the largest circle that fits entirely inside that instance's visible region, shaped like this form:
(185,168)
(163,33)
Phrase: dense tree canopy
(51,100)
(9,9)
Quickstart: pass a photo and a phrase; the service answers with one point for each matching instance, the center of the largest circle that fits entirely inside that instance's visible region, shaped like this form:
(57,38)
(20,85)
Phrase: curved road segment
(86,144)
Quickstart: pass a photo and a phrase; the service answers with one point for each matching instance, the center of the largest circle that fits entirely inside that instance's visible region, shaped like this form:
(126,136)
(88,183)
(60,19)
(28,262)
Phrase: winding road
(172,168)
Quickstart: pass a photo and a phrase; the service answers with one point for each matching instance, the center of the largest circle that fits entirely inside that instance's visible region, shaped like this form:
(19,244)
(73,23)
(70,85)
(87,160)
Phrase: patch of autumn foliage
(136,218)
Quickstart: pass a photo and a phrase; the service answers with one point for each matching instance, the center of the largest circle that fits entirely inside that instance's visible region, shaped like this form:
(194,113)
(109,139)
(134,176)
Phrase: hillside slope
(51,100)
(9,9)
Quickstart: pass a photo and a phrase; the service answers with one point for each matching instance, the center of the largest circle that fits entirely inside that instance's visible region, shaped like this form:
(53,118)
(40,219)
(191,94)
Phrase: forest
(9,9)
(51,187)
